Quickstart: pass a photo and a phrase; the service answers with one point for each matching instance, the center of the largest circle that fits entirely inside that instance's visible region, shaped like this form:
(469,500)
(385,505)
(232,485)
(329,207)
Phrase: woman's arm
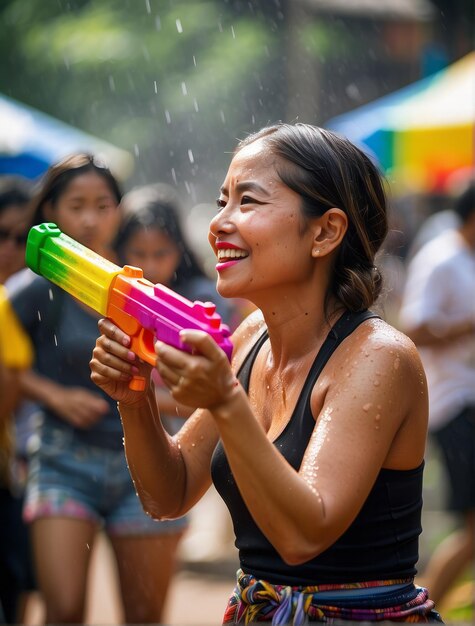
(358,419)
(170,473)
(441,335)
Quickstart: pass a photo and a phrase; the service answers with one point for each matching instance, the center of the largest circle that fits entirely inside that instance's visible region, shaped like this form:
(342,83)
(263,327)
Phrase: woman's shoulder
(382,349)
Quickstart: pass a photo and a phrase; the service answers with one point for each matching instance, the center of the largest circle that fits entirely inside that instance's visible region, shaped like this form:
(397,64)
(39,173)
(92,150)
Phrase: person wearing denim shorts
(78,478)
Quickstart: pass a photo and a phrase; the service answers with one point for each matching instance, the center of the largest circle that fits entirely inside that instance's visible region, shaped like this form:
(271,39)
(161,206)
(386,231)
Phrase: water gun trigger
(142,345)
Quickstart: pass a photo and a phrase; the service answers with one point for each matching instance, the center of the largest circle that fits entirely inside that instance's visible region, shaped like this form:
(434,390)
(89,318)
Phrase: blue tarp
(30,141)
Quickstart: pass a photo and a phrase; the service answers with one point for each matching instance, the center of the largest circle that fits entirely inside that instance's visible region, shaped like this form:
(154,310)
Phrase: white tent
(30,141)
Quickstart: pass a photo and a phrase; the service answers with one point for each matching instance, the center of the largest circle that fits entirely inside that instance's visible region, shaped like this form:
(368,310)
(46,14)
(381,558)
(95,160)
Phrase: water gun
(141,309)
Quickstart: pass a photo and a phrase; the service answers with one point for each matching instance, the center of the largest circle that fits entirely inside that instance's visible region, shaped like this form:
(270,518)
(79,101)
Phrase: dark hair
(464,205)
(15,191)
(59,175)
(327,171)
(157,206)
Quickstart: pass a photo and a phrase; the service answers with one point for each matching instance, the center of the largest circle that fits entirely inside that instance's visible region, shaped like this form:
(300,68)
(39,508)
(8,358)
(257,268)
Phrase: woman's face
(258,233)
(13,233)
(87,211)
(153,251)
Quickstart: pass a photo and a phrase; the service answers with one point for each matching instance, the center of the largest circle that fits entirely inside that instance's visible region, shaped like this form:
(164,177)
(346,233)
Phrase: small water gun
(141,309)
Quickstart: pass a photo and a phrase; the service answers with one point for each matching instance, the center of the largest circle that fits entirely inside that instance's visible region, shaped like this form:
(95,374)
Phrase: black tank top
(380,544)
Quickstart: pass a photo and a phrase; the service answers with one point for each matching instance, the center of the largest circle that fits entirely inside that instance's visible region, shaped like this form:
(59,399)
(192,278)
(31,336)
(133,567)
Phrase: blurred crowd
(63,475)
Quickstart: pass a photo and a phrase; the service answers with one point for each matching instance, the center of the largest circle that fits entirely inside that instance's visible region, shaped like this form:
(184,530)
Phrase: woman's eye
(247,200)
(220,203)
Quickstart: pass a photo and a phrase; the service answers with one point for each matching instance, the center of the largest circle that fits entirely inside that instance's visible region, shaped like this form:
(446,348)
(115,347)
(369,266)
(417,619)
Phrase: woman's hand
(203,379)
(113,365)
(77,406)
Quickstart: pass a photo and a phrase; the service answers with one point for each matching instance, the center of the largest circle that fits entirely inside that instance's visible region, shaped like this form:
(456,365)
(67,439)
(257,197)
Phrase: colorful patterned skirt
(389,600)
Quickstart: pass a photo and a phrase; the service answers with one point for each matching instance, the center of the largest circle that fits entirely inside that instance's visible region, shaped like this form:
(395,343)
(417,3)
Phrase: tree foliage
(171,81)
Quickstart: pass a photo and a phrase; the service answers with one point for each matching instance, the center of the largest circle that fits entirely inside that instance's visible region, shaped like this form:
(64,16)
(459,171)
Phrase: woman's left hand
(203,379)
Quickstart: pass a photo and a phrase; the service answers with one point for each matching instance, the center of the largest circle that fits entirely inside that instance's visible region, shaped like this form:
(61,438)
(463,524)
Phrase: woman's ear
(331,229)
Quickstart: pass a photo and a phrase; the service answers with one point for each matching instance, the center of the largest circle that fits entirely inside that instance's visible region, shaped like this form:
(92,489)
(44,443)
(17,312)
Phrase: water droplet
(376,383)
(148,7)
(190,156)
(168,117)
(179,27)
(397,363)
(367,406)
(233,33)
(155,86)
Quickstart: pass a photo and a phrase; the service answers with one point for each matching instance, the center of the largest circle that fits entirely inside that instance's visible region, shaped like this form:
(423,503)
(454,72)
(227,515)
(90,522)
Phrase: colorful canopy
(422,134)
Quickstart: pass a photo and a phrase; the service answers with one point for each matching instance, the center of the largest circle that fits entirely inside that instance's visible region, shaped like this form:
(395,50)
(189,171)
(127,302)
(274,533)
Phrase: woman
(317,447)
(78,480)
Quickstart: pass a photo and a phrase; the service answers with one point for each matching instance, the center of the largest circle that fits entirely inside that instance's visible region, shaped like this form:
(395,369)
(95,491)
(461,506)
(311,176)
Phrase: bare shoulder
(245,336)
(380,359)
(376,375)
(388,343)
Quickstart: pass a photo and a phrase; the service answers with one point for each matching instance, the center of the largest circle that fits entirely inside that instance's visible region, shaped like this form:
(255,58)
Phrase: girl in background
(151,237)
(78,479)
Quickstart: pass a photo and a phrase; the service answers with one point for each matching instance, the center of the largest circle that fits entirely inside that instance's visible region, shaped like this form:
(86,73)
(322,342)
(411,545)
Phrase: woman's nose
(222,222)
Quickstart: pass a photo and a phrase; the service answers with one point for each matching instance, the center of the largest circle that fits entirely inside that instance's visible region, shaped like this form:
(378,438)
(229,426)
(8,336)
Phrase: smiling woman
(314,435)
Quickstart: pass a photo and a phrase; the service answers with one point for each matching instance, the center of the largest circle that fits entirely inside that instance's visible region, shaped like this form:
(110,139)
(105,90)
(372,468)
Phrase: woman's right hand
(113,365)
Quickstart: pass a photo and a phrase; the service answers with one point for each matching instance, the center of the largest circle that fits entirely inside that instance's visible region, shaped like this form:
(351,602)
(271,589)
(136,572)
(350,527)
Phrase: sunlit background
(163,89)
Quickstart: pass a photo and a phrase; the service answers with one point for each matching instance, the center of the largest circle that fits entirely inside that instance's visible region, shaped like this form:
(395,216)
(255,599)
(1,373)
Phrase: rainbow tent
(421,134)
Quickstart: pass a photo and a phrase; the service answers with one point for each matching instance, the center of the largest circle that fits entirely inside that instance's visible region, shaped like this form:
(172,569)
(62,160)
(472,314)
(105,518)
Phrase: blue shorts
(70,479)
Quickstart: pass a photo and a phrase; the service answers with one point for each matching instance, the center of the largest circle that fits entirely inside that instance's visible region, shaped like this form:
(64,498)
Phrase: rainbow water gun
(141,309)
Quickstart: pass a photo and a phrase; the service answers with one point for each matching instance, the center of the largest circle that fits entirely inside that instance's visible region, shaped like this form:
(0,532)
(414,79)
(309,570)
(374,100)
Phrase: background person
(318,448)
(17,580)
(78,480)
(438,313)
(151,237)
